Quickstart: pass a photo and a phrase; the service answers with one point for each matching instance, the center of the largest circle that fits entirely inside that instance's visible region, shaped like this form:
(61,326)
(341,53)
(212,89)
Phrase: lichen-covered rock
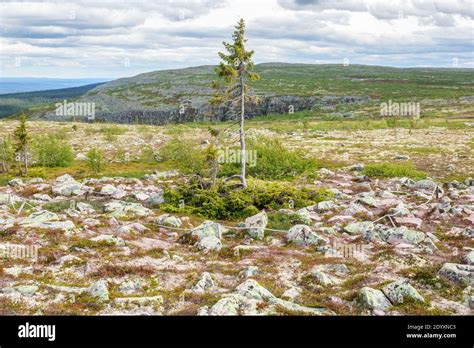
(398,291)
(108,190)
(25,290)
(124,209)
(99,290)
(402,234)
(208,229)
(205,283)
(209,243)
(256,225)
(155,198)
(39,217)
(8,198)
(249,271)
(41,197)
(373,299)
(303,235)
(458,273)
(361,227)
(168,220)
(65,185)
(469,258)
(252,289)
(323,278)
(234,304)
(424,184)
(130,286)
(16,182)
(46,220)
(85,208)
(109,239)
(289,306)
(325,206)
(304,216)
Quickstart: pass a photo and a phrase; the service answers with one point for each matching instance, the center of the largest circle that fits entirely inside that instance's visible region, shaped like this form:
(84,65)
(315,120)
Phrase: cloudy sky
(117,38)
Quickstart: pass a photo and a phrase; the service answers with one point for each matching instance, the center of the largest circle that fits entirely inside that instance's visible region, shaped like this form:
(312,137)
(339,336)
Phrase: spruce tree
(236,69)
(22,140)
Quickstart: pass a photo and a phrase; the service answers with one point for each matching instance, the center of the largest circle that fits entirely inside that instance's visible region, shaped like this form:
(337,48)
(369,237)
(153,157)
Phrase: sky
(114,38)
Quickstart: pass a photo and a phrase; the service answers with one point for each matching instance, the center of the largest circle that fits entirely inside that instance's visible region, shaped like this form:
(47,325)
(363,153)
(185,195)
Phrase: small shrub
(282,221)
(274,161)
(53,152)
(391,170)
(113,130)
(6,154)
(223,202)
(187,156)
(95,160)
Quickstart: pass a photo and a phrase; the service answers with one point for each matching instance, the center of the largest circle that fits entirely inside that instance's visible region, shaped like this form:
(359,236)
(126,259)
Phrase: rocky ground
(384,247)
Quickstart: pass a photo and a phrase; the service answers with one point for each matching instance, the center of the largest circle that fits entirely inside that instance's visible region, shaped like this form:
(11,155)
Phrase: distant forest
(12,103)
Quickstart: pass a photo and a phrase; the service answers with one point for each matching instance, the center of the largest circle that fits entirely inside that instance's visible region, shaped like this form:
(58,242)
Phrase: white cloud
(94,38)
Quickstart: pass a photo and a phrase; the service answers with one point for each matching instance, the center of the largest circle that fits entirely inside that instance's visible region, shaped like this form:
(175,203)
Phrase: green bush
(95,160)
(282,221)
(7,154)
(391,170)
(113,130)
(52,151)
(186,155)
(274,161)
(223,202)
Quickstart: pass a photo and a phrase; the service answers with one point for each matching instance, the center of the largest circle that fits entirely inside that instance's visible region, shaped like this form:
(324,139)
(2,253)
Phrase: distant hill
(16,102)
(158,97)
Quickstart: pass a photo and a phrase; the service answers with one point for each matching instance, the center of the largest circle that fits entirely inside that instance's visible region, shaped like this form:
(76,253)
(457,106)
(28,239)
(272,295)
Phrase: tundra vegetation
(338,214)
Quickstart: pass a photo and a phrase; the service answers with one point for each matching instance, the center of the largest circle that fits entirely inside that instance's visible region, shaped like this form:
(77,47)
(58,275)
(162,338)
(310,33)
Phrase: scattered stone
(397,235)
(109,239)
(291,293)
(130,286)
(398,291)
(469,258)
(373,299)
(16,182)
(323,278)
(325,206)
(425,184)
(168,220)
(155,198)
(303,235)
(120,209)
(65,185)
(108,190)
(99,290)
(209,243)
(249,271)
(256,225)
(359,227)
(85,208)
(304,216)
(205,283)
(458,273)
(208,229)
(42,197)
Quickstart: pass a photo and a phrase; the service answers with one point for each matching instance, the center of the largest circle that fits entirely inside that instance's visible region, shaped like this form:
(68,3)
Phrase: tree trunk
(243,157)
(25,154)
